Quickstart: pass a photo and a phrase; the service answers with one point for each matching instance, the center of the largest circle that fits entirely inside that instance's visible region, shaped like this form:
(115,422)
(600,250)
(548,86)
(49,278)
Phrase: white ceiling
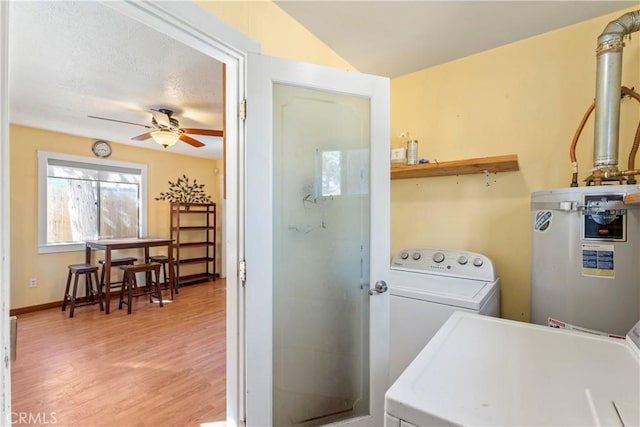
(394,38)
(69,60)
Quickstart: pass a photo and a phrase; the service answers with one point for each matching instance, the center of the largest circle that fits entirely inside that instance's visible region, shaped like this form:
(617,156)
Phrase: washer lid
(463,293)
(480,370)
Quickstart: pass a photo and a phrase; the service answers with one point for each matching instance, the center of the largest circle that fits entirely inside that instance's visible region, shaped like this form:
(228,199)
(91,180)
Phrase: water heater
(585,268)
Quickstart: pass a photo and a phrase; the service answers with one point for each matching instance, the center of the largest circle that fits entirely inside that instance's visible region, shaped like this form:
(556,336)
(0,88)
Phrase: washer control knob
(404,255)
(462,260)
(438,257)
(416,256)
(478,262)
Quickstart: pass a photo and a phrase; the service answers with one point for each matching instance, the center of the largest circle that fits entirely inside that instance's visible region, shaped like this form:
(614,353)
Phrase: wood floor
(156,367)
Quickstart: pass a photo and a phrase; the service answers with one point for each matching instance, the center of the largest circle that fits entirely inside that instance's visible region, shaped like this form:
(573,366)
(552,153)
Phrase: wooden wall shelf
(632,199)
(508,163)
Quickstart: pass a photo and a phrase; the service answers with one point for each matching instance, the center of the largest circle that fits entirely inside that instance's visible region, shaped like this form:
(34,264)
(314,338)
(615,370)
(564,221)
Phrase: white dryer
(426,286)
(483,371)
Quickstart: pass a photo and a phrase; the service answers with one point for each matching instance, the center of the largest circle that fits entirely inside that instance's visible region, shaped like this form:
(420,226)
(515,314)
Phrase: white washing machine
(426,286)
(483,371)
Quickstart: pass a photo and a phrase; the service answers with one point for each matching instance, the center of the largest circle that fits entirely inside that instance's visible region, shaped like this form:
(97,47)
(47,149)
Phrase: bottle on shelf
(412,152)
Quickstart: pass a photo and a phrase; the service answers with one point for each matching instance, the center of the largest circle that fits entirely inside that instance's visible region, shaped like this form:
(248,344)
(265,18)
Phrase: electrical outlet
(33,283)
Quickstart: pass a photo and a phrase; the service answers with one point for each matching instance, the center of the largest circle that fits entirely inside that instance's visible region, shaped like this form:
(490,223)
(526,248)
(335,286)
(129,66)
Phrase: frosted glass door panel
(321,255)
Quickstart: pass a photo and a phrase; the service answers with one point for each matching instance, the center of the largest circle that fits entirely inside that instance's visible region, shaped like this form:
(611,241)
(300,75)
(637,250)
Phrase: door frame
(5,272)
(200,30)
(259,165)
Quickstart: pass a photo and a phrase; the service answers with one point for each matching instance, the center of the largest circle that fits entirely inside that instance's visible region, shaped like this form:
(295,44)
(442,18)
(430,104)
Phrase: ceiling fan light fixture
(165,137)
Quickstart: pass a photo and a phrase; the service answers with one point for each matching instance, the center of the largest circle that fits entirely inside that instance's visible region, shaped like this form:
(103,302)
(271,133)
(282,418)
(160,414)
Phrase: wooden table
(108,245)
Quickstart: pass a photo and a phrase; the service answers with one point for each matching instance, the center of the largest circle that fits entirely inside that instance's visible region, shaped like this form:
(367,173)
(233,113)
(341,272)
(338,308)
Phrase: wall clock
(101,148)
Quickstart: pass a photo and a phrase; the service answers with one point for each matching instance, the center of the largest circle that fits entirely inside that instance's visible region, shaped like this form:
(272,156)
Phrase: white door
(317,241)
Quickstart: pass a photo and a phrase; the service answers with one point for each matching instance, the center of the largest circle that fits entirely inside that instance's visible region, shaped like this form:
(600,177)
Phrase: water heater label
(542,221)
(597,260)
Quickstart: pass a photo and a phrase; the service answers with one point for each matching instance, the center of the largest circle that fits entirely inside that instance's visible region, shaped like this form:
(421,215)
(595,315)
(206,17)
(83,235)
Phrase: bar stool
(163,261)
(130,286)
(88,271)
(117,262)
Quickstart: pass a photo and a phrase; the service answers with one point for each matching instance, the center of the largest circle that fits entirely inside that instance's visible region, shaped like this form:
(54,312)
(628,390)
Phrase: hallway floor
(156,367)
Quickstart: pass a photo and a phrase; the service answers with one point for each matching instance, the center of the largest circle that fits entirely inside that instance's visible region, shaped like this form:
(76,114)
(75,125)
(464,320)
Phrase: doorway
(185,23)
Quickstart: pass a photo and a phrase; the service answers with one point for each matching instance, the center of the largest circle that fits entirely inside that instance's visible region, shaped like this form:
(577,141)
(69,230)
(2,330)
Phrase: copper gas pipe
(632,155)
(616,174)
(636,140)
(574,143)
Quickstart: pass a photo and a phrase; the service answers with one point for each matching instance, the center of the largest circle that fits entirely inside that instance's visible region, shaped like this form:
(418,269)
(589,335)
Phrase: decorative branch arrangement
(184,192)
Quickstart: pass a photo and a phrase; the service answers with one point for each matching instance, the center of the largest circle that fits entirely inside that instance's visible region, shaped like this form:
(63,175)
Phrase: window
(343,172)
(81,198)
(331,173)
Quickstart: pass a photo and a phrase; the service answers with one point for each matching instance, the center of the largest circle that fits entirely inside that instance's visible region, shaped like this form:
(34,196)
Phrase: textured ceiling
(69,60)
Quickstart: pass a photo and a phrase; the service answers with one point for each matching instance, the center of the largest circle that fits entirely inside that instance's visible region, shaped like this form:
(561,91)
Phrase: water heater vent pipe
(608,84)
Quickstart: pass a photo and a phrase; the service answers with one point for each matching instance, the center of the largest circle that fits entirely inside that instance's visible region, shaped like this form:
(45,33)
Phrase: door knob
(380,287)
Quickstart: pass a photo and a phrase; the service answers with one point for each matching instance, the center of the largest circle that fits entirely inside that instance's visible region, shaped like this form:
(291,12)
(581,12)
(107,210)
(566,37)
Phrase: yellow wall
(50,270)
(278,34)
(525,98)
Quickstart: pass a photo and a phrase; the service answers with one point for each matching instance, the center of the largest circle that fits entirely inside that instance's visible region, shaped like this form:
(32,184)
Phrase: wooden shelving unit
(508,163)
(193,231)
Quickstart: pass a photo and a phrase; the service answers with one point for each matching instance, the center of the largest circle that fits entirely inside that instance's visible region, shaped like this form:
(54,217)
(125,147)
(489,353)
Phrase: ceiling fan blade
(161,118)
(120,121)
(191,141)
(142,137)
(209,132)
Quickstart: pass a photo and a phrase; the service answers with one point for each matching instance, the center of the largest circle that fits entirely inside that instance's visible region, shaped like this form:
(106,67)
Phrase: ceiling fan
(166,130)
